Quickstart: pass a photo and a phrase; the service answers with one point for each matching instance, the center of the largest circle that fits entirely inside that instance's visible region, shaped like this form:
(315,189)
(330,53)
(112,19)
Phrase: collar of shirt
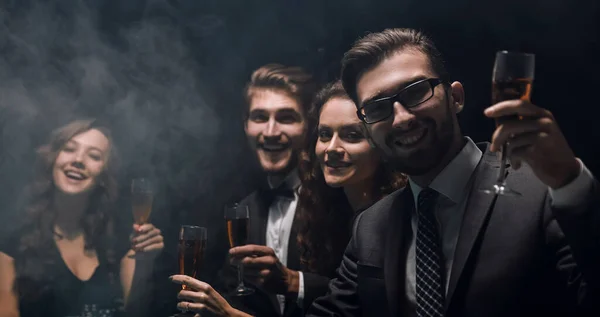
(453,179)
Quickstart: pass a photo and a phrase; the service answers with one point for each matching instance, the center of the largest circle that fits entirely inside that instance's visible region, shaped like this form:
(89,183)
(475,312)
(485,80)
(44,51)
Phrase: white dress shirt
(279,227)
(453,185)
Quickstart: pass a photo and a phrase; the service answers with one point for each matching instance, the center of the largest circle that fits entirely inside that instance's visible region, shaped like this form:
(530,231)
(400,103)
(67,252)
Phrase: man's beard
(426,159)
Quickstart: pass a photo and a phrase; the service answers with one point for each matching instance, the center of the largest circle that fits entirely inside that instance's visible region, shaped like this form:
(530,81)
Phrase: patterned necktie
(430,282)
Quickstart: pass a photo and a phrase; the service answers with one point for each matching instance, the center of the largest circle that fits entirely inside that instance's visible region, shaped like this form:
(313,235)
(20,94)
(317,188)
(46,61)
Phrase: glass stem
(241,275)
(502,170)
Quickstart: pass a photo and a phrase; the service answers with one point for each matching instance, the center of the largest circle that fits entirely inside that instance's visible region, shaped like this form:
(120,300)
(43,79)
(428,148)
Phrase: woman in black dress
(67,260)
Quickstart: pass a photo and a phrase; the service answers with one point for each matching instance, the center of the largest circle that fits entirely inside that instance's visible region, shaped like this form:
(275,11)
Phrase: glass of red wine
(512,78)
(237,219)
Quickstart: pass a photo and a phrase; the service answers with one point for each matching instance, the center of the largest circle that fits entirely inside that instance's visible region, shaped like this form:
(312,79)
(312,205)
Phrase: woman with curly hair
(342,174)
(66,260)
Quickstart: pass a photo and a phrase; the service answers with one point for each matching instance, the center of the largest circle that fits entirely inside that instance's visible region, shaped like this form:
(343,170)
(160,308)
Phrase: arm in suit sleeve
(315,286)
(342,297)
(573,232)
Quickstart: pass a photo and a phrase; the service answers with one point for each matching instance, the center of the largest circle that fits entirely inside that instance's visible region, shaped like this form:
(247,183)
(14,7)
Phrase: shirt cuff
(300,299)
(574,193)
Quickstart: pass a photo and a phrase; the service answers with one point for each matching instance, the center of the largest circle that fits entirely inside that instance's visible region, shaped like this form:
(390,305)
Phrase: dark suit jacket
(262,303)
(515,256)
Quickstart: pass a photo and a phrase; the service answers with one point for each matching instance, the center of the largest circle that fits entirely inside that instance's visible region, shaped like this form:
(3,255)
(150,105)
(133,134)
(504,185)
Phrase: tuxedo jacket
(262,303)
(515,256)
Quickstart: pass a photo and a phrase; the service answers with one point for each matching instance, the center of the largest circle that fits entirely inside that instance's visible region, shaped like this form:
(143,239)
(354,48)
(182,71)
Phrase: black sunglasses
(410,97)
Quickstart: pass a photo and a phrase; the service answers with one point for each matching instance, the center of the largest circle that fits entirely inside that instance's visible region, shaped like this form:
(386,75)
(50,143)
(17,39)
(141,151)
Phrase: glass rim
(192,227)
(515,53)
(143,185)
(235,206)
(142,190)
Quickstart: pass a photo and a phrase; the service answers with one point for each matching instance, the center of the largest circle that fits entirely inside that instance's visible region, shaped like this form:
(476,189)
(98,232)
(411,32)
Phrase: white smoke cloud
(60,60)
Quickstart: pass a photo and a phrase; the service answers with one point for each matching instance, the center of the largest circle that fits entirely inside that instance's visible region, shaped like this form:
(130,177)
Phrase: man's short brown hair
(293,81)
(371,50)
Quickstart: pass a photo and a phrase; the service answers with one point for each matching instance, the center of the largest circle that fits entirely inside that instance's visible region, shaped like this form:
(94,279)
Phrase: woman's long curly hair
(35,263)
(324,213)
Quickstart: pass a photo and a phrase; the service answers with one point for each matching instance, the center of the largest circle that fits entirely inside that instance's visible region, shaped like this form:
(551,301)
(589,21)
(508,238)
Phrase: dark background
(169,75)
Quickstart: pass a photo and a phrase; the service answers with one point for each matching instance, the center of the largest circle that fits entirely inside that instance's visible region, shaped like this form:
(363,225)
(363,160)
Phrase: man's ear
(457,92)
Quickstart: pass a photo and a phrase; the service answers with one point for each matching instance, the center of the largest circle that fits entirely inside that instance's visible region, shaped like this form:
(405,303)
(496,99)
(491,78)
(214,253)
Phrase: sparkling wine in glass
(237,220)
(142,195)
(512,78)
(192,246)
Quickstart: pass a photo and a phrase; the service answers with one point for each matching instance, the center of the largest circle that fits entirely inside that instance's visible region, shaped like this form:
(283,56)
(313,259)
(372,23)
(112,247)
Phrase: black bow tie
(282,191)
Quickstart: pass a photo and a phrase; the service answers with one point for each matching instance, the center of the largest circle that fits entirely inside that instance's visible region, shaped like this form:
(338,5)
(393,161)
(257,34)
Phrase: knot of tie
(426,199)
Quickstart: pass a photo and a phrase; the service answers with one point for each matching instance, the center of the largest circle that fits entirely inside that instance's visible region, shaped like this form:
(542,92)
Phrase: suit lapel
(259,215)
(293,263)
(476,215)
(396,247)
(293,256)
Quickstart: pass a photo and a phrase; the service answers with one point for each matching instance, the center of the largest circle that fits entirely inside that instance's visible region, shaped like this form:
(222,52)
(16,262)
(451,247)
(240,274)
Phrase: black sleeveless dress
(62,294)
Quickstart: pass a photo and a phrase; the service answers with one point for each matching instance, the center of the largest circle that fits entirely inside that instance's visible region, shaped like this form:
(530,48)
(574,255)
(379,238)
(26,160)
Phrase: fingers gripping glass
(409,97)
(237,220)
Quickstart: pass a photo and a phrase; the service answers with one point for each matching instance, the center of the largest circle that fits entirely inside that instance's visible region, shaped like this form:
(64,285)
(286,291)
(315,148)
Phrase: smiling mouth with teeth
(413,138)
(75,175)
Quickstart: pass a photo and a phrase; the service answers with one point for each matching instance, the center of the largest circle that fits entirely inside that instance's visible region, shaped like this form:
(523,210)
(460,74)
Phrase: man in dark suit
(275,123)
(441,246)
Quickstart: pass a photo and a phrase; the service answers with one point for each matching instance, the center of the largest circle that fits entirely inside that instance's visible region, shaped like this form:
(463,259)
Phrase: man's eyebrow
(289,110)
(257,110)
(390,92)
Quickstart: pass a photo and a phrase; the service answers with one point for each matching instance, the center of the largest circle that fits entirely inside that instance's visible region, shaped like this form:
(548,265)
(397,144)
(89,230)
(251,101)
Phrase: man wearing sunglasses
(441,246)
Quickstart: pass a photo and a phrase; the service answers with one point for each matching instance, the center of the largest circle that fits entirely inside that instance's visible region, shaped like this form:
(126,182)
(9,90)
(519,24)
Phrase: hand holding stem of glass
(237,221)
(192,245)
(512,79)
(142,195)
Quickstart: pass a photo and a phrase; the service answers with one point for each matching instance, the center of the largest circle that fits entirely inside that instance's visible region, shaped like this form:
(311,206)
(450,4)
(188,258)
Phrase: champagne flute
(192,245)
(237,220)
(142,195)
(512,78)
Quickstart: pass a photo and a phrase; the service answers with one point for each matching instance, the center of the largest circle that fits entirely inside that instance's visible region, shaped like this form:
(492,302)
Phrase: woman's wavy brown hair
(324,213)
(36,260)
